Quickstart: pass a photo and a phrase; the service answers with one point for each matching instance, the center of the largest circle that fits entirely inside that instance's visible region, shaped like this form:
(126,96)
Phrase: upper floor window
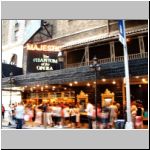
(16,35)
(100,51)
(16,30)
(146,43)
(118,49)
(17,25)
(133,45)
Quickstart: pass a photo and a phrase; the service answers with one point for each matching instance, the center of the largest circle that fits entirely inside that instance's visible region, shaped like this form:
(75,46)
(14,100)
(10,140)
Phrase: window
(146,43)
(75,56)
(118,49)
(133,45)
(100,51)
(16,30)
(16,25)
(16,35)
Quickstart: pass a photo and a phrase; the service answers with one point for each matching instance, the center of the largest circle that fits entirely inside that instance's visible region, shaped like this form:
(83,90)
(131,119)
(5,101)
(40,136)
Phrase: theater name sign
(42,47)
(42,58)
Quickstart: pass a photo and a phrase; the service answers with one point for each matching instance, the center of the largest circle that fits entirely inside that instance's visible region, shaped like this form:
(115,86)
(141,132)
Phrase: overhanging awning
(7,69)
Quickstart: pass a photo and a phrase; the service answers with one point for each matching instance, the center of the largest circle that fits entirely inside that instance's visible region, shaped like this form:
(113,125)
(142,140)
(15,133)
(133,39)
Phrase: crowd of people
(106,115)
(49,114)
(69,115)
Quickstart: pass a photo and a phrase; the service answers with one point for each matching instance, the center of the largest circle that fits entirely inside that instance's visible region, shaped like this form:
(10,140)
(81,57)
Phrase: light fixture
(46,86)
(75,82)
(128,40)
(70,84)
(137,77)
(114,82)
(144,80)
(103,80)
(53,87)
(38,85)
(88,84)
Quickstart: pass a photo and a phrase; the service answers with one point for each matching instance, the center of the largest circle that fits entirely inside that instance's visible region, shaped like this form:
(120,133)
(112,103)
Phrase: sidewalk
(5,125)
(13,126)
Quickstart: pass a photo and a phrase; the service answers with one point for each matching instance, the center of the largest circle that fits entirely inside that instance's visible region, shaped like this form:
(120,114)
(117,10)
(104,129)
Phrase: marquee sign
(40,60)
(42,47)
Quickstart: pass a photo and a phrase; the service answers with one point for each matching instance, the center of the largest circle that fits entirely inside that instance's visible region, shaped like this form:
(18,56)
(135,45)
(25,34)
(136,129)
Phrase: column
(87,55)
(112,51)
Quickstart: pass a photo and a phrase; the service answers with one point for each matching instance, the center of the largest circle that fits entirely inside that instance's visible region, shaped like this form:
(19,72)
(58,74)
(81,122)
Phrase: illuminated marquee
(42,47)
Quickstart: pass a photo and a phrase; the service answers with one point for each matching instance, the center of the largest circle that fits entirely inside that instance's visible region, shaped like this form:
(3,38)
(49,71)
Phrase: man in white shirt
(89,110)
(19,115)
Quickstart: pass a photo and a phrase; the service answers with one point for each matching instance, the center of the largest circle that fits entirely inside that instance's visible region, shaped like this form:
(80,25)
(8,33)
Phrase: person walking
(19,115)
(89,110)
(3,111)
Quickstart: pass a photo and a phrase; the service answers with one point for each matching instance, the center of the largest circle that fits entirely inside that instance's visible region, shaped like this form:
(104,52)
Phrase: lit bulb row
(88,84)
(42,88)
(143,79)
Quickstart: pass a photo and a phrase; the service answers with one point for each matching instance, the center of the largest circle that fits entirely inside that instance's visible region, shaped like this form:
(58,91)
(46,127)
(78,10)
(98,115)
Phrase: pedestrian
(105,117)
(77,116)
(38,118)
(66,116)
(19,115)
(89,110)
(73,116)
(3,111)
(139,116)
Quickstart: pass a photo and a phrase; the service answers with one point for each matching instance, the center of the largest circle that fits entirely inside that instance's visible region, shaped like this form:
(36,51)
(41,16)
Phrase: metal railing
(108,60)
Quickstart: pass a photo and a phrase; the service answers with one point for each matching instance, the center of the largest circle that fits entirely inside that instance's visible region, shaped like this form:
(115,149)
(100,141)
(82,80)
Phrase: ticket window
(107,97)
(82,99)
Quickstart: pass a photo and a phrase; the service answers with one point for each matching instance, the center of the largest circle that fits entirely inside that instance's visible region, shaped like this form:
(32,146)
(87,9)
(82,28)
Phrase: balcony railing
(109,60)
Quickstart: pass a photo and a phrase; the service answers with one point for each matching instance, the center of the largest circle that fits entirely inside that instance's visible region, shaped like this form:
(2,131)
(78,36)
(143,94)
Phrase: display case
(82,99)
(107,97)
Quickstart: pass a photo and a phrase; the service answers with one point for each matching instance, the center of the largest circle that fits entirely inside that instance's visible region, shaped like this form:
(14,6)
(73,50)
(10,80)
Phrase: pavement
(5,125)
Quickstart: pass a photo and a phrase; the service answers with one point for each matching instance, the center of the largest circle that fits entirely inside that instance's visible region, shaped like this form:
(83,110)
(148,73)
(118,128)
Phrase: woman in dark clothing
(34,114)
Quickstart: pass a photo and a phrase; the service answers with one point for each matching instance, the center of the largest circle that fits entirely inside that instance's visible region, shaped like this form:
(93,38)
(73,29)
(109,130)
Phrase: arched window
(13,60)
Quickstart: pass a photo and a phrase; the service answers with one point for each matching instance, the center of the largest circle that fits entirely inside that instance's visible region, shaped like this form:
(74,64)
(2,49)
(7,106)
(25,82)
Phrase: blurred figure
(9,115)
(89,111)
(3,111)
(105,117)
(13,112)
(73,115)
(38,118)
(49,115)
(133,111)
(139,116)
(77,116)
(98,115)
(113,114)
(19,115)
(58,114)
(66,112)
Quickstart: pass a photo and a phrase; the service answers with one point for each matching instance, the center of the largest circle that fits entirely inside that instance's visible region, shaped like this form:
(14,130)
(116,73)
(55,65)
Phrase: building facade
(45,78)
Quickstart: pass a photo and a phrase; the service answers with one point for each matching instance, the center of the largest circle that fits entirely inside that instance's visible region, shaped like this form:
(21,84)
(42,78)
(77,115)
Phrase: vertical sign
(122,39)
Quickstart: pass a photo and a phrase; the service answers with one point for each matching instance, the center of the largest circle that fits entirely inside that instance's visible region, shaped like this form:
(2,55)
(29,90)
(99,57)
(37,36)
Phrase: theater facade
(58,68)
